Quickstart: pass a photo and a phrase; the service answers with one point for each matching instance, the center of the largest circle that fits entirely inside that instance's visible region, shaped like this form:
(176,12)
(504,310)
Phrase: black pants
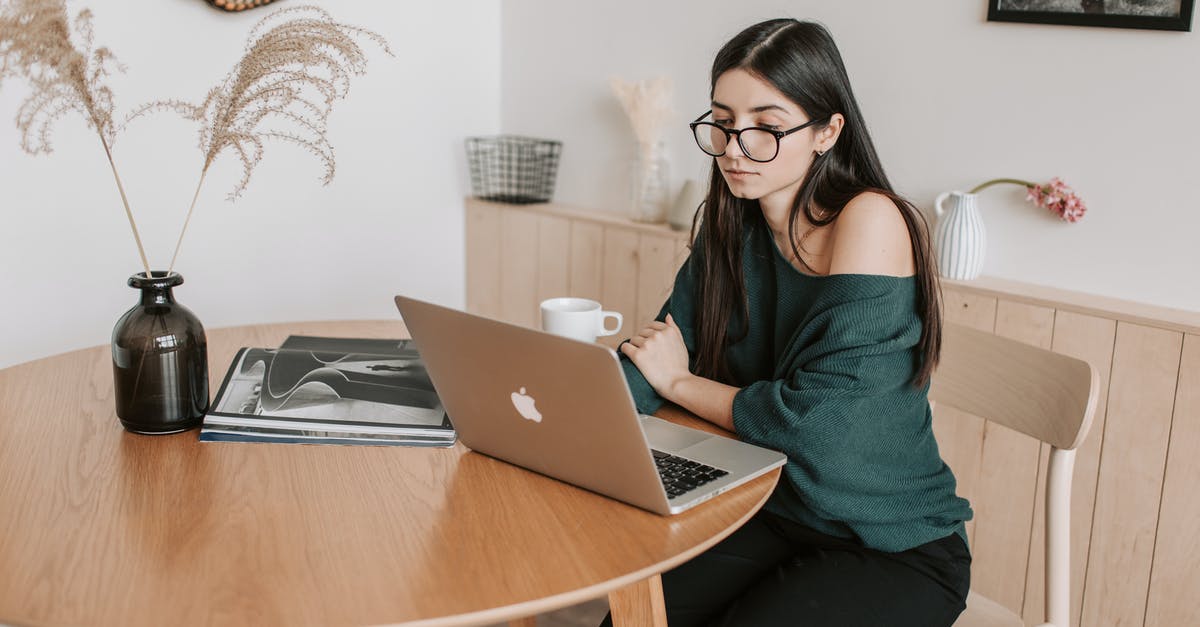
(773,571)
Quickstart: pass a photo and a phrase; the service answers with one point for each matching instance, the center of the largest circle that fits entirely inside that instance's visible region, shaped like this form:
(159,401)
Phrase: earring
(821,153)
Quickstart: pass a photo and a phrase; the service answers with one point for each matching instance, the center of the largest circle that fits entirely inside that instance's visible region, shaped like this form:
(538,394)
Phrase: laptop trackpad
(668,437)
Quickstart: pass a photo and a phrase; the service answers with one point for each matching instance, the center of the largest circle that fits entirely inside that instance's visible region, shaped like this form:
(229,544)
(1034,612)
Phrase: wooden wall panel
(977,312)
(656,261)
(1132,459)
(1030,324)
(959,434)
(1007,484)
(1175,582)
(1091,339)
(554,258)
(620,279)
(587,260)
(483,260)
(518,267)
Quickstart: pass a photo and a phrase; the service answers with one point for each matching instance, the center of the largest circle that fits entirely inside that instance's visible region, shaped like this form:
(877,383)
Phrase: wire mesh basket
(513,169)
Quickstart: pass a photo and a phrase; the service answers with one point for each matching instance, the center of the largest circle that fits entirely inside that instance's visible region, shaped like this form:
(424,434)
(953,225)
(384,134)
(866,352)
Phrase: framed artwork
(1153,14)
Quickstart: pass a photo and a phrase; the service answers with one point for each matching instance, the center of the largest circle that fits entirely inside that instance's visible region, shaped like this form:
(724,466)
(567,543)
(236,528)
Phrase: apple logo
(524,405)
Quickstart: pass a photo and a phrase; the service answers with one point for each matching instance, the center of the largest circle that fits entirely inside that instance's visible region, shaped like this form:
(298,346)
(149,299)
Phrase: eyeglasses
(757,143)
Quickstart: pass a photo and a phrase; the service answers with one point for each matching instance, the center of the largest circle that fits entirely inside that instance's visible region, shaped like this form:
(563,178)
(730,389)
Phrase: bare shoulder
(870,236)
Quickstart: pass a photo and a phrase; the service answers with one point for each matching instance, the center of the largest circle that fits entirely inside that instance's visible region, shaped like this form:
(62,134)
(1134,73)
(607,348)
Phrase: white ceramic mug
(577,318)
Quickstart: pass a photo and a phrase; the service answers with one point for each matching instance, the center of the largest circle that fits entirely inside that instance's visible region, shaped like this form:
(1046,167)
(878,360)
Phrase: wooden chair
(1042,394)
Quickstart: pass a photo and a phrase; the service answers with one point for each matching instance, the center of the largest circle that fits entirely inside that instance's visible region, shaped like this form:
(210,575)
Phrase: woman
(807,320)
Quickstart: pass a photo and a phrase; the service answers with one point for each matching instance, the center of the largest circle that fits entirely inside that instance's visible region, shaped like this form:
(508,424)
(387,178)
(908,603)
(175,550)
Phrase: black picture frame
(1004,11)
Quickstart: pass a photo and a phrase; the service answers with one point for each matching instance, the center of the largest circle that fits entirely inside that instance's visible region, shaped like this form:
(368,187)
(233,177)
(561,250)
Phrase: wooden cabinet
(520,255)
(1134,508)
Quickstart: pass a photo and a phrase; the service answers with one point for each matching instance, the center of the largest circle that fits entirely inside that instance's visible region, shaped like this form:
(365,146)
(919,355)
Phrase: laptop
(562,408)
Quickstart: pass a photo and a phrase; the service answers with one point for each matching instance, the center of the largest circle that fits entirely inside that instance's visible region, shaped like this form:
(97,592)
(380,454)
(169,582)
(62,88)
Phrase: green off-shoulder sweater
(825,376)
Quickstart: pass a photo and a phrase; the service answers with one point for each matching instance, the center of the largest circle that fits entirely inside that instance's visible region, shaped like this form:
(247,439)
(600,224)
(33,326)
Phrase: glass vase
(649,185)
(160,360)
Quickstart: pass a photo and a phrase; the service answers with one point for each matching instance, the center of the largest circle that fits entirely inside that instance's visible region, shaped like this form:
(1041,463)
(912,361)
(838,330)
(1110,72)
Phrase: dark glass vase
(160,360)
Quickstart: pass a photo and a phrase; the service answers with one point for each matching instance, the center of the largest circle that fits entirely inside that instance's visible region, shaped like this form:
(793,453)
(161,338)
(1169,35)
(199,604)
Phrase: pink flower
(1059,198)
(1055,196)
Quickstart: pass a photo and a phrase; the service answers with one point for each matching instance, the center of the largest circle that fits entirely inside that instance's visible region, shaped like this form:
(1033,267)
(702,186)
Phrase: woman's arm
(708,399)
(680,306)
(660,354)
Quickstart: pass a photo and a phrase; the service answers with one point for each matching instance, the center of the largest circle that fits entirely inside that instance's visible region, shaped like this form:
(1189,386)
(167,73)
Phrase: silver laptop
(562,408)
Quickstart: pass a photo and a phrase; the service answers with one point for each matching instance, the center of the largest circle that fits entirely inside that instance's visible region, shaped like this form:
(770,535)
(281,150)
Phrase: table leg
(639,605)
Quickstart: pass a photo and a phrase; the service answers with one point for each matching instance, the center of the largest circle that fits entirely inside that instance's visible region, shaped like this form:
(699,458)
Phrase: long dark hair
(800,60)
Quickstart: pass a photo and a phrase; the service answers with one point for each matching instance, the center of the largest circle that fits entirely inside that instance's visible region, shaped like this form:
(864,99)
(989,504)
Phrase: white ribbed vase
(960,239)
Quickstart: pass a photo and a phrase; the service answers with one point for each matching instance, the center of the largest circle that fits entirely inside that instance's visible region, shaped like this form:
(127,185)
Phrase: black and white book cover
(322,389)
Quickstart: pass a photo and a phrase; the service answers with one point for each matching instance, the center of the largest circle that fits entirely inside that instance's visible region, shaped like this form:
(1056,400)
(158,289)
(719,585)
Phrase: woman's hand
(659,353)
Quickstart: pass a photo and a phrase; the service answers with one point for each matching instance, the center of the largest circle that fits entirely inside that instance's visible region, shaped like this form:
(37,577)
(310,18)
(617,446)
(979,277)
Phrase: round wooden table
(99,526)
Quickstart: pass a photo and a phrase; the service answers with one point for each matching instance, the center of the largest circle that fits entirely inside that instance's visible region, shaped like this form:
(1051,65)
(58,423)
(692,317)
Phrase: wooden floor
(583,615)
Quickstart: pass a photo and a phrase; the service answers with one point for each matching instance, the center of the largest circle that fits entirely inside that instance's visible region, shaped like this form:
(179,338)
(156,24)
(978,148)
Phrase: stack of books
(323,390)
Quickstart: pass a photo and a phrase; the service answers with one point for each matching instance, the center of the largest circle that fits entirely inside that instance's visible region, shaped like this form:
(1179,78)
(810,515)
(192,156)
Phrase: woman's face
(741,100)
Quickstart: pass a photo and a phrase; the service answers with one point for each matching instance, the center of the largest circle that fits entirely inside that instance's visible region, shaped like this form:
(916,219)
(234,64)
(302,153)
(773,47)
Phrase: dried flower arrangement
(297,62)
(647,103)
(287,61)
(35,43)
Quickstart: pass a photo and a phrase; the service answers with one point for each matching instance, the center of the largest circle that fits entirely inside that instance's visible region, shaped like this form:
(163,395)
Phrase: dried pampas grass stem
(298,61)
(647,103)
(36,45)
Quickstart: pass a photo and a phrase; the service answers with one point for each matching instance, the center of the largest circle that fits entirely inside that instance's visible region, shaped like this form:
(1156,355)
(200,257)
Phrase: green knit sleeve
(856,432)
(681,305)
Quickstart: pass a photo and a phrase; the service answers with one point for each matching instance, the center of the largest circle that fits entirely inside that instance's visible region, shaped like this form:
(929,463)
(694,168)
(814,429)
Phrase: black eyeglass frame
(779,135)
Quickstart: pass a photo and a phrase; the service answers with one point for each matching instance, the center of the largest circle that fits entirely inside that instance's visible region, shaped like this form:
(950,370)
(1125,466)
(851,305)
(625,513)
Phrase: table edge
(597,590)
(209,330)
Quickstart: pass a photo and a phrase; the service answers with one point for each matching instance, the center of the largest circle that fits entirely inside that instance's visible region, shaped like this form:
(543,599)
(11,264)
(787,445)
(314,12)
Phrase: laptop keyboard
(681,475)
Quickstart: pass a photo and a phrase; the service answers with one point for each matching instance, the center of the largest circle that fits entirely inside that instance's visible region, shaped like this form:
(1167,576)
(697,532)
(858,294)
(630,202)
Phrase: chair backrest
(1043,394)
(1037,392)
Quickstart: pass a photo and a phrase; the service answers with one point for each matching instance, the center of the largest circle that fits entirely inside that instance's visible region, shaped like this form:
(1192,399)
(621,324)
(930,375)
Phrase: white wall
(289,249)
(951,100)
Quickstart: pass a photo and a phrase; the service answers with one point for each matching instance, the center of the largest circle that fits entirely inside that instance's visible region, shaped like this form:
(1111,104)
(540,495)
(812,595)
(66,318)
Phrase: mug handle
(604,316)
